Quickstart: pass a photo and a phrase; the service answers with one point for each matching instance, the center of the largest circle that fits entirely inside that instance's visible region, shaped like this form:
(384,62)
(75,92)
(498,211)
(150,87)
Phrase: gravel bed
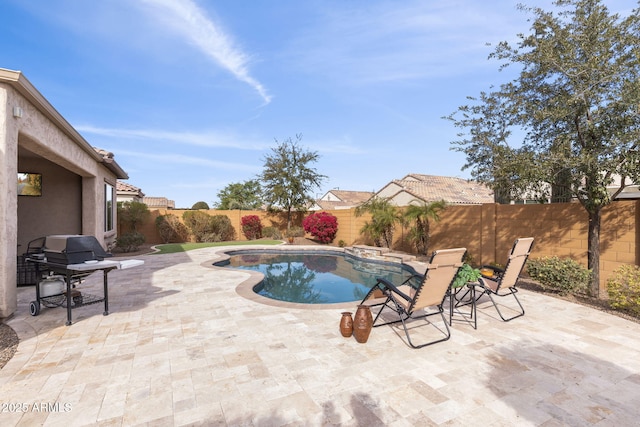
(8,344)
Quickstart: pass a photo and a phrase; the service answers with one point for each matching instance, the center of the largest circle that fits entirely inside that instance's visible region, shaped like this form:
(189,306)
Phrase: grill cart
(65,261)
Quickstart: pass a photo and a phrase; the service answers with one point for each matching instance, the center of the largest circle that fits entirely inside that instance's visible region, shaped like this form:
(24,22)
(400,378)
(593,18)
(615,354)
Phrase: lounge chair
(502,282)
(407,300)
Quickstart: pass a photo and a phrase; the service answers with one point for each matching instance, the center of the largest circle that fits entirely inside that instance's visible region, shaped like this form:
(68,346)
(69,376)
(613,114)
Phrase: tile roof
(431,188)
(110,163)
(127,188)
(327,205)
(353,197)
(347,199)
(159,202)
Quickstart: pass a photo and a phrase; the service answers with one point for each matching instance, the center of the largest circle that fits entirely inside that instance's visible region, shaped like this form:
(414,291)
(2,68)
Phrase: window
(108,207)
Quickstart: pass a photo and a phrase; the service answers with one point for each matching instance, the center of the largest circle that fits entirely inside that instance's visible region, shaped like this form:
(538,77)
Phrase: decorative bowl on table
(487,272)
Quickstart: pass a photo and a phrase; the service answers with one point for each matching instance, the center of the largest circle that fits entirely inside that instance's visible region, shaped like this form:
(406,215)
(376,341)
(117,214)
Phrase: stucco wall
(57,211)
(73,181)
(8,204)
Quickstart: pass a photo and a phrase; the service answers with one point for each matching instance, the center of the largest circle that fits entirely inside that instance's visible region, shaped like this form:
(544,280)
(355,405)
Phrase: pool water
(316,278)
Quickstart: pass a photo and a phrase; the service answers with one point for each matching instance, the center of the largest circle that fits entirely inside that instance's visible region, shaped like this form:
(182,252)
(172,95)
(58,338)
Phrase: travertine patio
(182,347)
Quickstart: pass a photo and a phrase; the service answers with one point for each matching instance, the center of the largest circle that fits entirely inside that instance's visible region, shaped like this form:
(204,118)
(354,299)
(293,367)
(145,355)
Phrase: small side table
(463,296)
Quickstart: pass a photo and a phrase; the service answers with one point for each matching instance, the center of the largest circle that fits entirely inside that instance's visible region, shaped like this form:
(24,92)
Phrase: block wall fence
(488,231)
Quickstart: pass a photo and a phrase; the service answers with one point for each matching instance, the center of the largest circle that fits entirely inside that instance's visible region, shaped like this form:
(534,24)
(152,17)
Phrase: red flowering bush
(322,225)
(251,227)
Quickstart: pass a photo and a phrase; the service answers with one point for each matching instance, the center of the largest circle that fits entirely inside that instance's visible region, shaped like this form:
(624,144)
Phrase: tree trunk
(594,251)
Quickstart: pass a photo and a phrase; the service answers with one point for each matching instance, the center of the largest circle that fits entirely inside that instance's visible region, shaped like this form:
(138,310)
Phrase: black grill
(73,249)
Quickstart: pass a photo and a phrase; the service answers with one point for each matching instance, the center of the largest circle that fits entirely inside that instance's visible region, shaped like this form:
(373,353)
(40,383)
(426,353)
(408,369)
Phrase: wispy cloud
(173,159)
(204,139)
(390,42)
(186,18)
(341,145)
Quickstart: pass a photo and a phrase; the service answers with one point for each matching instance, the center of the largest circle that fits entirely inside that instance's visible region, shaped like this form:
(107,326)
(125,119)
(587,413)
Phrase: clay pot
(362,323)
(346,324)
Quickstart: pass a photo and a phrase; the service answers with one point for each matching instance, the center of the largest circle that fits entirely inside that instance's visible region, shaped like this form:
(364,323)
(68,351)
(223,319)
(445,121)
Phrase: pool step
(374,252)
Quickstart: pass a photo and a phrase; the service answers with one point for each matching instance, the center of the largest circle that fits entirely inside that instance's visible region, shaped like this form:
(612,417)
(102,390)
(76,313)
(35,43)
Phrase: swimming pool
(314,277)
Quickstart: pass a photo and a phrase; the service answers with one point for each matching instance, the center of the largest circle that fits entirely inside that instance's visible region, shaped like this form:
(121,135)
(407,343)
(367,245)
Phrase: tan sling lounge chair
(407,300)
(503,281)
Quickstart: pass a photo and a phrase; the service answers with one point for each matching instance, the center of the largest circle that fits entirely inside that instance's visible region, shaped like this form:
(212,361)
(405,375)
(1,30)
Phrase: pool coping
(245,288)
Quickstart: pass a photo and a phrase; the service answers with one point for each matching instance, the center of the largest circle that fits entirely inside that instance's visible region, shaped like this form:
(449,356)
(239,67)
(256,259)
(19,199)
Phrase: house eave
(24,87)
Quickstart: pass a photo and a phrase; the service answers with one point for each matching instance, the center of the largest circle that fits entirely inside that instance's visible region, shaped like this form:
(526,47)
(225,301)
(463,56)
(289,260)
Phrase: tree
(288,180)
(240,195)
(420,215)
(384,217)
(132,214)
(200,205)
(576,98)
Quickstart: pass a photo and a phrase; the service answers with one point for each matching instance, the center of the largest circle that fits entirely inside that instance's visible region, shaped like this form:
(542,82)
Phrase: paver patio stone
(183,346)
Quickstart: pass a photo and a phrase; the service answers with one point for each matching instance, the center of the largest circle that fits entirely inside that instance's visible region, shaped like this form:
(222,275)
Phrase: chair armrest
(390,286)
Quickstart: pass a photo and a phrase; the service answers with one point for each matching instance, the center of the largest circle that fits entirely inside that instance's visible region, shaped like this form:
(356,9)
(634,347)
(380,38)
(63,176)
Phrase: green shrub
(199,223)
(295,231)
(207,228)
(171,230)
(132,214)
(623,288)
(130,241)
(271,233)
(562,275)
(223,230)
(200,205)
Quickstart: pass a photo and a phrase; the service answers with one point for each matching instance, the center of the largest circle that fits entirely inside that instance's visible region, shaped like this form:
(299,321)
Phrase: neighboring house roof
(159,203)
(630,192)
(126,189)
(341,199)
(432,188)
(347,196)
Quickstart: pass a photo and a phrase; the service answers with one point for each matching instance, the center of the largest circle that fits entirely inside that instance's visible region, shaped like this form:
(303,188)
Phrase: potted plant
(465,275)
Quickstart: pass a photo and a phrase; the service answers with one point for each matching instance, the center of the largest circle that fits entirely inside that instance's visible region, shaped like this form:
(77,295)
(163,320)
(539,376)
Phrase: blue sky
(191,95)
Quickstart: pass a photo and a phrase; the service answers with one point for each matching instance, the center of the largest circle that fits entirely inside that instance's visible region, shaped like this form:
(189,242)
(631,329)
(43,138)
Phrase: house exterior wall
(330,197)
(403,198)
(8,205)
(389,190)
(73,179)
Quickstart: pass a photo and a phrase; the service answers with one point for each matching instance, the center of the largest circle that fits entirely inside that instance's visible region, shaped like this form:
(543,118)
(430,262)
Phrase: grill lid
(72,248)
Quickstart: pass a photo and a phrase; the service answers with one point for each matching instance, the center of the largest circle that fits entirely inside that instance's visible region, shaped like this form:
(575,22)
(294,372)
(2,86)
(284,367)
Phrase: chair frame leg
(512,292)
(405,316)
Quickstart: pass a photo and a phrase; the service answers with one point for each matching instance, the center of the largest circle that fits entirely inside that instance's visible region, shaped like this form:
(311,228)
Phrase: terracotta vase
(362,323)
(346,324)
